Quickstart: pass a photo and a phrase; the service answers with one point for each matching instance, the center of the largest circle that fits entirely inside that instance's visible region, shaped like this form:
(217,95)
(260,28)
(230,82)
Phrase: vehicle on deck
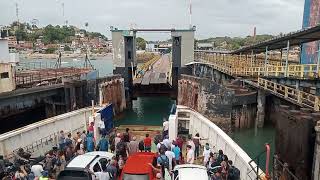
(137,167)
(84,166)
(190,172)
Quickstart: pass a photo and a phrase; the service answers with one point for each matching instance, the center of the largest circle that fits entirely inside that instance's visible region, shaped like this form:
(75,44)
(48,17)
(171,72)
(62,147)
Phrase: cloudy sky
(212,17)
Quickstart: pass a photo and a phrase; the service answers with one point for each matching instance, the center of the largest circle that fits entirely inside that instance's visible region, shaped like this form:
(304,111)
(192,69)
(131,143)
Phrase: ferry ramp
(153,78)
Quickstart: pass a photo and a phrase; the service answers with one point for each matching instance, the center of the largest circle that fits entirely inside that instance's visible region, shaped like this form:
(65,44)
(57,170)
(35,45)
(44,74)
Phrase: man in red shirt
(147,143)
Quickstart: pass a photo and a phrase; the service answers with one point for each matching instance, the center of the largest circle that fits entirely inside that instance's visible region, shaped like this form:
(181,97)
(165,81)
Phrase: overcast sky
(212,17)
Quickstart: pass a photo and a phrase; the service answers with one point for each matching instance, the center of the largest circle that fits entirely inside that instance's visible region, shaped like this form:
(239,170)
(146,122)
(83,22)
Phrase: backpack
(234,173)
(162,148)
(121,148)
(141,145)
(164,162)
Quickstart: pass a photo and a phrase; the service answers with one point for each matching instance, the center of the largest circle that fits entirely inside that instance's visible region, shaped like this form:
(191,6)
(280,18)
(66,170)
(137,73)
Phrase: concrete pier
(316,156)
(261,100)
(25,106)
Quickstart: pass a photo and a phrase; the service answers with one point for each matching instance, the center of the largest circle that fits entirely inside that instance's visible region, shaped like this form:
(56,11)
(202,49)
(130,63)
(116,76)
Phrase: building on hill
(205,46)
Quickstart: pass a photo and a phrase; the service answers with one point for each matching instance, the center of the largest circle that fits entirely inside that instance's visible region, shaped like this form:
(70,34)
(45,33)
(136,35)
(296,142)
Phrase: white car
(190,172)
(83,166)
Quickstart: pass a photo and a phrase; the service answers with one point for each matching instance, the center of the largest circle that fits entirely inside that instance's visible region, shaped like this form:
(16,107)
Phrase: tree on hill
(141,43)
(229,43)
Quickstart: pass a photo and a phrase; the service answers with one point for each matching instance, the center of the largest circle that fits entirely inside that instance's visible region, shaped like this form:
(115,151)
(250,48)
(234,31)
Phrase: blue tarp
(107,116)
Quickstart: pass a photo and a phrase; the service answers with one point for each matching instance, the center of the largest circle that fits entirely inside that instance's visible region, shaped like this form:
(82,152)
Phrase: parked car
(190,172)
(137,167)
(84,166)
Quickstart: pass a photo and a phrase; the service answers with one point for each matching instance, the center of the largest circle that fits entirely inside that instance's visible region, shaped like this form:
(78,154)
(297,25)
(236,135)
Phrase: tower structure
(311,18)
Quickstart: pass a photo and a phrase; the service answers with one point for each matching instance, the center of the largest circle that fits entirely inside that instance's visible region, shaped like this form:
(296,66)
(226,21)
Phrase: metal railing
(294,95)
(281,170)
(41,75)
(246,67)
(43,145)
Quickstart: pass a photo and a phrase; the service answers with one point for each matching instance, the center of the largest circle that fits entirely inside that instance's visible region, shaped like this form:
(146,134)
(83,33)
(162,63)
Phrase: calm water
(254,143)
(146,111)
(151,110)
(103,64)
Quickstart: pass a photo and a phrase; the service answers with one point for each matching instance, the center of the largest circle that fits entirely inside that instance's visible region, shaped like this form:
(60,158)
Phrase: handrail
(294,95)
(245,67)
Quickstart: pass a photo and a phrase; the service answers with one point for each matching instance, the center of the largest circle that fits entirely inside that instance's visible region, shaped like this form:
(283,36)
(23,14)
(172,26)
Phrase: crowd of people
(169,154)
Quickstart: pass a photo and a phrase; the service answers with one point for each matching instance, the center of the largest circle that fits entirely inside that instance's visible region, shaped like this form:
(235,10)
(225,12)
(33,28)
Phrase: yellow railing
(146,65)
(294,95)
(246,67)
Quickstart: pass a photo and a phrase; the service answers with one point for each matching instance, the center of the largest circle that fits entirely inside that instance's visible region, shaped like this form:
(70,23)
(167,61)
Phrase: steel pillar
(318,60)
(265,62)
(251,63)
(287,58)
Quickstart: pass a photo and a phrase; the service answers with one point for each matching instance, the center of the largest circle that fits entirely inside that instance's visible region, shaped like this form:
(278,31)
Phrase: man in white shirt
(191,143)
(206,154)
(167,142)
(37,169)
(165,128)
(190,155)
(171,157)
(102,127)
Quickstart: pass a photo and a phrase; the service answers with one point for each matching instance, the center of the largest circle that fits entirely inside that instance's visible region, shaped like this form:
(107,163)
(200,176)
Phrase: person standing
(60,162)
(167,142)
(147,143)
(117,139)
(133,146)
(191,143)
(61,140)
(179,141)
(196,141)
(91,128)
(163,162)
(90,142)
(126,135)
(206,154)
(37,169)
(171,157)
(68,141)
(176,150)
(2,167)
(190,155)
(122,149)
(112,170)
(103,144)
(165,128)
(102,127)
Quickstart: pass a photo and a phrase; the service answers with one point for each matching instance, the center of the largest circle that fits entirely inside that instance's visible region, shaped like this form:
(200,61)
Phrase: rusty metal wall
(229,107)
(295,138)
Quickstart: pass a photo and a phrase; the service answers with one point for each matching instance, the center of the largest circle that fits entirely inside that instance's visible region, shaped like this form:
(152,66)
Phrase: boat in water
(41,136)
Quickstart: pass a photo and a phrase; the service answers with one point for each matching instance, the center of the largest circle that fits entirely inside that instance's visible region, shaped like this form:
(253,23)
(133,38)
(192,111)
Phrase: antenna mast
(17,12)
(190,14)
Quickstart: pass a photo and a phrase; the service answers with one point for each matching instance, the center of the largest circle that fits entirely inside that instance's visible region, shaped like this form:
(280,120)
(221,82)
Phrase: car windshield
(135,177)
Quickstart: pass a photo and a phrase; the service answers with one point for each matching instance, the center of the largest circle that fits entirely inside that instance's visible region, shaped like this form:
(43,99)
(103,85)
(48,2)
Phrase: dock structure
(29,78)
(278,80)
(289,80)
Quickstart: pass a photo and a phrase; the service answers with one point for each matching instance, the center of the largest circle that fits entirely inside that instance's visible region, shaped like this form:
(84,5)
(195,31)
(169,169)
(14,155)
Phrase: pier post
(316,156)
(261,100)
